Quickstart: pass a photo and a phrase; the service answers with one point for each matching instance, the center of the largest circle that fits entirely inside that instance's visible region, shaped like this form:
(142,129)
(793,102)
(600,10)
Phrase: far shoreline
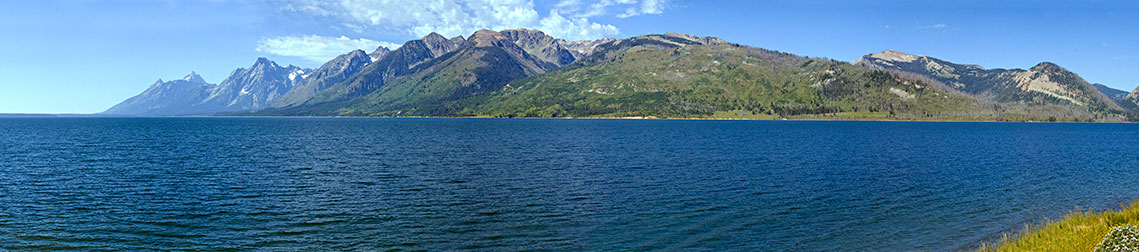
(44,115)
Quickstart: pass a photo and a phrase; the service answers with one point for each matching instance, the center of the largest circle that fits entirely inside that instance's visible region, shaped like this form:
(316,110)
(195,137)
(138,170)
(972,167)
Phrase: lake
(367,184)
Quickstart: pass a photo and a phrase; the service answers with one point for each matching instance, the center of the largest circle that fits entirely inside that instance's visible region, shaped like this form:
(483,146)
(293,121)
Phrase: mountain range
(527,73)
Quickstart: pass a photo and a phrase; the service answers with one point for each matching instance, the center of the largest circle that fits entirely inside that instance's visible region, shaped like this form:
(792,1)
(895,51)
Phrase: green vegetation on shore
(1079,231)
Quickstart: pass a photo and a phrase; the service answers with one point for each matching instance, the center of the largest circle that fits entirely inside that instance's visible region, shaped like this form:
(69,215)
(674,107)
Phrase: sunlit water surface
(276,184)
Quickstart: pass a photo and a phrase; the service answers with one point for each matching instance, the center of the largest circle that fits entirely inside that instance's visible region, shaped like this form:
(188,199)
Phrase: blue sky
(84,56)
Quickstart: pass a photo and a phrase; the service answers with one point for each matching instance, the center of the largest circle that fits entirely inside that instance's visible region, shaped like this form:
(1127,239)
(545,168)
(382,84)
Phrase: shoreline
(10,115)
(1076,231)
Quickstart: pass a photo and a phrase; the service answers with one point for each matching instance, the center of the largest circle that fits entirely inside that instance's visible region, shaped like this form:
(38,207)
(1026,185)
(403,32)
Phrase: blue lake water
(283,184)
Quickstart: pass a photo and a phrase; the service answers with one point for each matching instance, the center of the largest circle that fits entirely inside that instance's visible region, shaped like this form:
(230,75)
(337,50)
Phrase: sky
(84,56)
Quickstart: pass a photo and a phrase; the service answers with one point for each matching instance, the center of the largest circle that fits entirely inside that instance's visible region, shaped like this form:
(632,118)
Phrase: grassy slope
(1079,231)
(720,81)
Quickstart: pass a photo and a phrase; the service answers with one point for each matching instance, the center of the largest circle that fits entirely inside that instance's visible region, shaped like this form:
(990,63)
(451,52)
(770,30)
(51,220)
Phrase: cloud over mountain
(569,19)
(317,48)
(623,8)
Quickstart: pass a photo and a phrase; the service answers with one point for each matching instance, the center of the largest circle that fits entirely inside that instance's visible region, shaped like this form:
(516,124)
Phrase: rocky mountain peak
(1134,95)
(699,40)
(433,37)
(193,77)
(540,45)
(530,38)
(438,44)
(380,52)
(585,47)
(1047,67)
(893,55)
(355,57)
(485,38)
(458,40)
(263,63)
(357,53)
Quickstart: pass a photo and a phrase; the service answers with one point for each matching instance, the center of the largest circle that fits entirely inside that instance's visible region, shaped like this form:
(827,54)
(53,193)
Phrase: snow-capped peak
(193,77)
(294,74)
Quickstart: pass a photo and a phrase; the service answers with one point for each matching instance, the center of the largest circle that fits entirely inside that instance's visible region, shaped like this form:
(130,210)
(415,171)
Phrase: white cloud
(567,28)
(936,26)
(569,19)
(646,7)
(318,48)
(626,8)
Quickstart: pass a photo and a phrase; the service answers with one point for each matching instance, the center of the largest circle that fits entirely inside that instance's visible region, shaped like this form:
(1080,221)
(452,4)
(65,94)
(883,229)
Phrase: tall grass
(1079,231)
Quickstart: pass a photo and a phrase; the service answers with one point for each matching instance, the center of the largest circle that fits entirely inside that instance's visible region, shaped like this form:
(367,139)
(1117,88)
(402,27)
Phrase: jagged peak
(354,55)
(433,37)
(438,44)
(263,62)
(340,61)
(381,49)
(357,52)
(380,52)
(192,77)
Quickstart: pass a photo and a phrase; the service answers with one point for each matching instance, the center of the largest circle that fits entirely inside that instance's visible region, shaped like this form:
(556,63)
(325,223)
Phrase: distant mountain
(332,72)
(378,54)
(392,65)
(246,89)
(1133,97)
(542,46)
(1045,83)
(585,47)
(177,97)
(1119,96)
(527,73)
(671,75)
(680,75)
(484,63)
(254,87)
(435,69)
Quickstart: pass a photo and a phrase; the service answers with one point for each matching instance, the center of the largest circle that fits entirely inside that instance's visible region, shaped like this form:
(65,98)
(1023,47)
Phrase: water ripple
(302,184)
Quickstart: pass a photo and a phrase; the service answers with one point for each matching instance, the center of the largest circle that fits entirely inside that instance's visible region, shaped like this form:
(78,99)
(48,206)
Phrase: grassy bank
(1079,231)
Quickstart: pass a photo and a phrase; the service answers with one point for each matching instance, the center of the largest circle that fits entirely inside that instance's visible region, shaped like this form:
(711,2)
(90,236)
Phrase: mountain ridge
(1045,82)
(510,72)
(176,97)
